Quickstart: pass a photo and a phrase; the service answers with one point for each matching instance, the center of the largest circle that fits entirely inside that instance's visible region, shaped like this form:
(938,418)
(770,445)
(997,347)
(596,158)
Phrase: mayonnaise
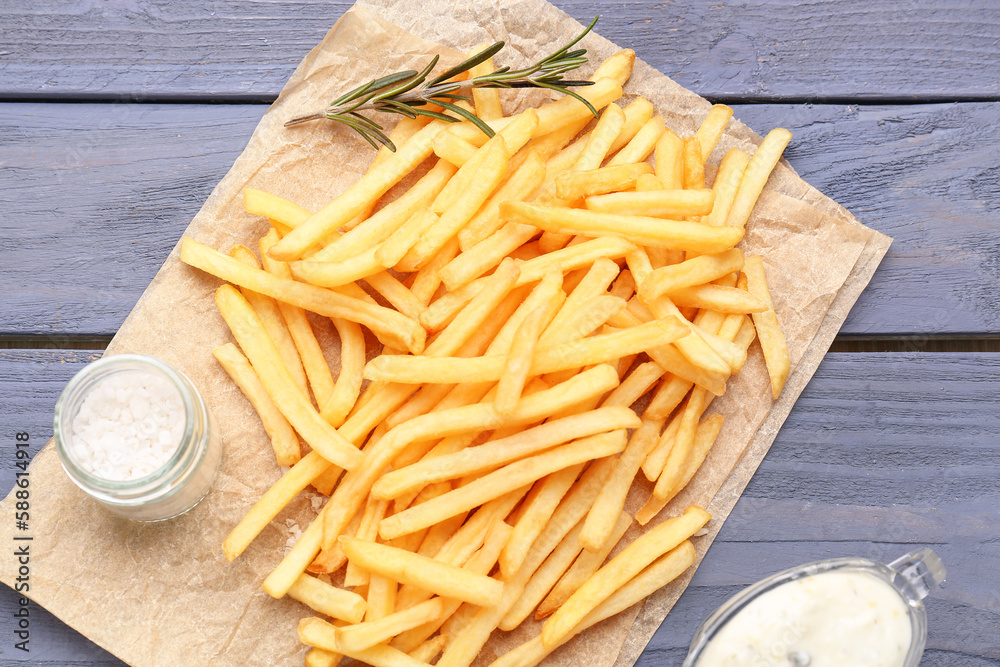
(832,619)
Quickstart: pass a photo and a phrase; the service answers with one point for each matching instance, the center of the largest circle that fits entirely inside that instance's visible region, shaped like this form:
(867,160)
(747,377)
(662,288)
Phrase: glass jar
(911,577)
(173,488)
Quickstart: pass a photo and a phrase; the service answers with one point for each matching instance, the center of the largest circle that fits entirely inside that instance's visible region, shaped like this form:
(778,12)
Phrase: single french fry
(727,183)
(317,632)
(694,164)
(594,350)
(278,429)
(335,274)
(272,502)
(352,362)
(544,578)
(574,257)
(429,650)
(758,170)
(691,272)
(670,357)
(427,280)
(410,568)
(648,183)
(599,141)
(327,599)
(272,320)
(396,293)
(501,481)
(382,591)
(654,203)
(617,67)
(383,321)
(657,456)
(261,202)
(712,127)
(577,184)
(486,254)
(366,190)
(451,147)
(487,100)
(680,453)
(772,340)
(656,576)
(519,185)
(635,385)
(623,567)
(610,502)
(640,230)
(294,405)
(585,565)
(669,159)
(718,298)
(668,396)
(317,657)
(496,453)
(517,365)
(358,637)
(642,144)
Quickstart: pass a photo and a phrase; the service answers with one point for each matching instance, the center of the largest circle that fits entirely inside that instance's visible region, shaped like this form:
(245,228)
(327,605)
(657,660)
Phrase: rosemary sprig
(409,93)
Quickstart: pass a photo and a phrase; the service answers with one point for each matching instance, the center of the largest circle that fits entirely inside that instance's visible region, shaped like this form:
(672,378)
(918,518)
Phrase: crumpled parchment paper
(163,594)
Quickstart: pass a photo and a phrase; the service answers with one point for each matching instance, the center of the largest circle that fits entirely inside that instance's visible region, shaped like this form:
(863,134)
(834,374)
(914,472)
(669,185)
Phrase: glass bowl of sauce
(831,613)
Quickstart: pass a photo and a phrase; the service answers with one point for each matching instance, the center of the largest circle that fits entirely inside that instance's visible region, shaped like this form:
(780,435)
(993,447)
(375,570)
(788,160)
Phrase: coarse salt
(128,426)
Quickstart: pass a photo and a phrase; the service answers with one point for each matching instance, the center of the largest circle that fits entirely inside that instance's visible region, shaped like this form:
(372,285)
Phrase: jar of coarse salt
(135,434)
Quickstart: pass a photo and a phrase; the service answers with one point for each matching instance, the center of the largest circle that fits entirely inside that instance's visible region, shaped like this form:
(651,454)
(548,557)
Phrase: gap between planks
(841,344)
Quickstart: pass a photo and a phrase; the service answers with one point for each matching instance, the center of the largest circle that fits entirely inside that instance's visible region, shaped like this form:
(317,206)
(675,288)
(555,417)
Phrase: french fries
(534,292)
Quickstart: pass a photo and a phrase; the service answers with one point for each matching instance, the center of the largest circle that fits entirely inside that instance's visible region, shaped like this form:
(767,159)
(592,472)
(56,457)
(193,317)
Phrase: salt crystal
(128,426)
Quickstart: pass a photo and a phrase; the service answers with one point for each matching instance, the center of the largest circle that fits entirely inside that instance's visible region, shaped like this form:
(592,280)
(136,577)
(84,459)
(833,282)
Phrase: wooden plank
(764,49)
(96,196)
(30,383)
(881,454)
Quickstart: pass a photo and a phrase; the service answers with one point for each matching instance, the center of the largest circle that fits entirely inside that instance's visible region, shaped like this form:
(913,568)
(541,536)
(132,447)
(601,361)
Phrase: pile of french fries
(529,289)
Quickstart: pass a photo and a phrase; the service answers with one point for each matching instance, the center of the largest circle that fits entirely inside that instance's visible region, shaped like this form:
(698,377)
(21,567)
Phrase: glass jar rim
(171,469)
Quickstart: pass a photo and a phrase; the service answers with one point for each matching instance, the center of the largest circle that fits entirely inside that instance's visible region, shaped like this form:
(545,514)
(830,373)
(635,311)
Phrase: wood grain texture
(764,49)
(882,453)
(96,196)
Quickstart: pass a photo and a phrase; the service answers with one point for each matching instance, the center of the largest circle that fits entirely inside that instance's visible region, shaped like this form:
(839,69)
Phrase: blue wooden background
(118,117)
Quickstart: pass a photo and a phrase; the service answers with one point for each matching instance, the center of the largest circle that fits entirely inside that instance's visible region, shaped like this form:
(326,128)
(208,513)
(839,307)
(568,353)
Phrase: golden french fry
(671,392)
(637,114)
(642,144)
(694,271)
(594,350)
(272,206)
(505,479)
(518,362)
(727,182)
(283,440)
(772,340)
(399,242)
(623,567)
(374,512)
(680,453)
(294,405)
(383,223)
(270,316)
(352,363)
(365,191)
(487,100)
(383,321)
(637,229)
(410,568)
(317,657)
(489,173)
(381,596)
(669,159)
(584,183)
(567,109)
(358,637)
(429,650)
(694,164)
(586,564)
(600,521)
(648,183)
(449,146)
(654,203)
(656,576)
(711,128)
(635,385)
(496,453)
(574,257)
(601,137)
(718,298)
(617,67)
(486,254)
(317,632)
(518,186)
(329,600)
(758,170)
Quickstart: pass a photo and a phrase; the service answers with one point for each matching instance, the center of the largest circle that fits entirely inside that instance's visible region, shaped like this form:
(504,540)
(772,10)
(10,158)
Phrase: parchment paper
(163,594)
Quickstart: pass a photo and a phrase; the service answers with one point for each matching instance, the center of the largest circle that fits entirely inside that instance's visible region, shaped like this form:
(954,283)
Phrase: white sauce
(128,426)
(833,619)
